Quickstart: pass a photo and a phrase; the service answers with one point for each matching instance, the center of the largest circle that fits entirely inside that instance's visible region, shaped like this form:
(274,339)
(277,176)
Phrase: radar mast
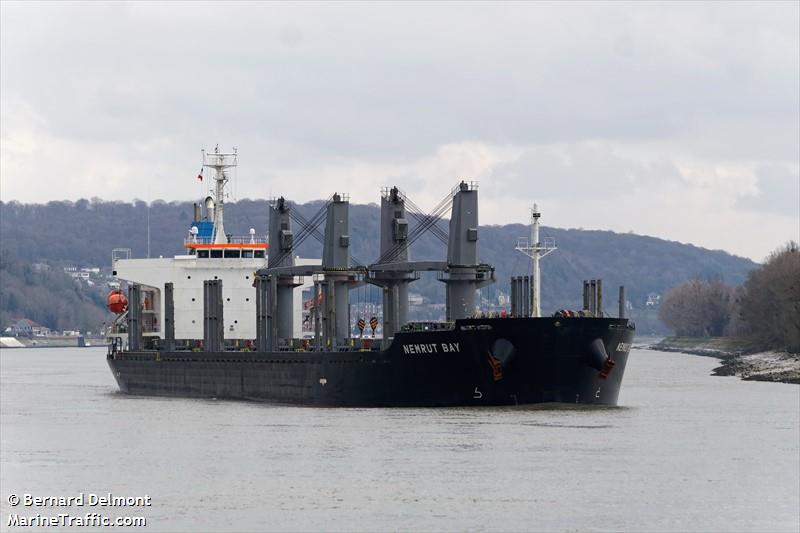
(220,162)
(536,250)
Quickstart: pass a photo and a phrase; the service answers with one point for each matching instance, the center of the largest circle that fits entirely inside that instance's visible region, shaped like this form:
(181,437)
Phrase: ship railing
(119,253)
(428,326)
(483,272)
(246,239)
(467,185)
(386,192)
(115,346)
(547,243)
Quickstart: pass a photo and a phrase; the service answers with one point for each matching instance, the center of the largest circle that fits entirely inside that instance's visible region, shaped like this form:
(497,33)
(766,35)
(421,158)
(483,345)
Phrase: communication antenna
(149,198)
(220,162)
(536,250)
(148,230)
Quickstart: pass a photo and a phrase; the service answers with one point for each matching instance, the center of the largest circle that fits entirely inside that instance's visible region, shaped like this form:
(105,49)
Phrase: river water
(686,451)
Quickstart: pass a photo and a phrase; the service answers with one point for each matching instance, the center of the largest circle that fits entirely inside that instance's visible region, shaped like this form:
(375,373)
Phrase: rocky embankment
(739,358)
(51,341)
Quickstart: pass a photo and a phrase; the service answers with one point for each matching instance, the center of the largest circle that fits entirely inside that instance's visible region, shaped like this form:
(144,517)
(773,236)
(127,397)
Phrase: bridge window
(203,254)
(232,254)
(216,254)
(258,254)
(247,254)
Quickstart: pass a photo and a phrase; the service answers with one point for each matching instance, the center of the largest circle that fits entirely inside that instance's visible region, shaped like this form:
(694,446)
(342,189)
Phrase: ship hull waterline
(507,361)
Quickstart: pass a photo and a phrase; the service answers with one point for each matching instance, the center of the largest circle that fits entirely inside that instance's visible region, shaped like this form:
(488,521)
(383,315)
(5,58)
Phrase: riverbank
(738,357)
(51,341)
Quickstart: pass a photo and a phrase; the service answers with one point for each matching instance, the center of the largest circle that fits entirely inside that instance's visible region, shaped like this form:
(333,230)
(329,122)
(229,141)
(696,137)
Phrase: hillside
(83,233)
(47,296)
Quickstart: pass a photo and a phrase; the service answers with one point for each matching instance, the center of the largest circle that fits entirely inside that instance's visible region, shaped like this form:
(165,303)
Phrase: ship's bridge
(201,243)
(235,248)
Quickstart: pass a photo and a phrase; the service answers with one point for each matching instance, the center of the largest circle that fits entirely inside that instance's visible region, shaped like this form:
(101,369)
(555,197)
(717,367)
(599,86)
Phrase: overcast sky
(680,120)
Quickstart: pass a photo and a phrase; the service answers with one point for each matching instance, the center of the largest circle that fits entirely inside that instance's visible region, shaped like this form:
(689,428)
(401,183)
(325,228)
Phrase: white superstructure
(187,272)
(211,254)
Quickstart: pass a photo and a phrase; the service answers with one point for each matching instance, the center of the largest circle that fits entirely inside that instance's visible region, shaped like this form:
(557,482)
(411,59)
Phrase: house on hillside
(415,299)
(86,274)
(653,300)
(25,327)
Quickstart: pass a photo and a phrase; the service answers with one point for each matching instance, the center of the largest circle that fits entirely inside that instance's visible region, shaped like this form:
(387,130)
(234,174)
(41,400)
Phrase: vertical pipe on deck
(586,295)
(273,310)
(600,297)
(388,309)
(169,317)
(515,303)
(330,319)
(527,297)
(262,344)
(134,318)
(208,313)
(317,325)
(213,321)
(395,309)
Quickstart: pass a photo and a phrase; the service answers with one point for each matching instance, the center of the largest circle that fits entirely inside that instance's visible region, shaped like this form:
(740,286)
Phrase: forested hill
(83,233)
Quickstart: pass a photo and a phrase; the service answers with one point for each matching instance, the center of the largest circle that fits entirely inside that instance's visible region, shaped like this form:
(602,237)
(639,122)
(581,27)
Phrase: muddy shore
(737,357)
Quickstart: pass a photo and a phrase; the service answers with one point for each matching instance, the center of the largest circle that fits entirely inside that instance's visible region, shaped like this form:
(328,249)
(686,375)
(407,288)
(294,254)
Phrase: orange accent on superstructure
(248,246)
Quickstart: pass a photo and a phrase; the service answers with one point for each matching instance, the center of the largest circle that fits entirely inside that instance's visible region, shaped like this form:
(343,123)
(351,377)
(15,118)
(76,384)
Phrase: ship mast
(536,250)
(220,162)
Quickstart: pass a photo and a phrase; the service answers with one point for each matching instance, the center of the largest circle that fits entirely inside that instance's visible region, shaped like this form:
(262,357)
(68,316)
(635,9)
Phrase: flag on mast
(200,176)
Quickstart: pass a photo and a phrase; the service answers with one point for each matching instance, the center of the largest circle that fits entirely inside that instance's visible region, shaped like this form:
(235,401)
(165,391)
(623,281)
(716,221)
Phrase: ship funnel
(209,207)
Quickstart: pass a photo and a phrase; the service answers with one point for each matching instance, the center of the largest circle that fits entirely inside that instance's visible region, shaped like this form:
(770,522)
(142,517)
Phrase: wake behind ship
(471,358)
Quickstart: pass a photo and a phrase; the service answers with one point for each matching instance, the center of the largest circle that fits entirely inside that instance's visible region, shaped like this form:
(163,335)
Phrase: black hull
(508,361)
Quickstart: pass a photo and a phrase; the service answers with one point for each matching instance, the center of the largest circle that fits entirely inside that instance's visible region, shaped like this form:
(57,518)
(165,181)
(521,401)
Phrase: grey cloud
(362,80)
(599,98)
(778,191)
(577,171)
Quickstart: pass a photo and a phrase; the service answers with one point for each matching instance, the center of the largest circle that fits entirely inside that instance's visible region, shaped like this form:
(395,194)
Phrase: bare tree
(770,305)
(698,308)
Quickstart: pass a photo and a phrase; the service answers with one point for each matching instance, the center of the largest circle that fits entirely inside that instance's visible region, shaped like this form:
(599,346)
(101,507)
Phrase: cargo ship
(222,320)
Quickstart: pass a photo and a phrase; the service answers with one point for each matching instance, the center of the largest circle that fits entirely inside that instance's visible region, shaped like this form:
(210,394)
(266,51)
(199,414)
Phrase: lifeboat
(117,302)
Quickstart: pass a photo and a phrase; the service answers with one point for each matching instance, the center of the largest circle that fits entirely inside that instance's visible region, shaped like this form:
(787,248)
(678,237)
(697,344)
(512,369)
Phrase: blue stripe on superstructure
(205,228)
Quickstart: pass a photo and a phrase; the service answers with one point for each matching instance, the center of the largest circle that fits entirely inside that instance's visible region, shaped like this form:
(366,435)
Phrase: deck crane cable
(419,215)
(426,223)
(307,228)
(430,222)
(395,250)
(433,218)
(314,228)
